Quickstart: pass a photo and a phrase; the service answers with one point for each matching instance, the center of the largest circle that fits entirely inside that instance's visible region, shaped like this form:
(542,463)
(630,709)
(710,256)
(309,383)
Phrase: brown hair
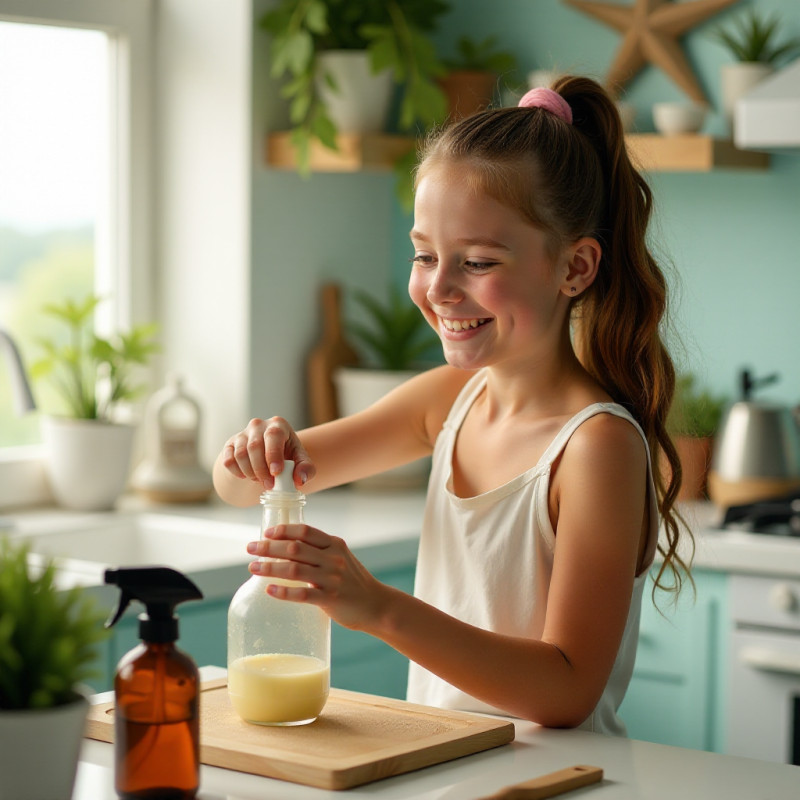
(576,180)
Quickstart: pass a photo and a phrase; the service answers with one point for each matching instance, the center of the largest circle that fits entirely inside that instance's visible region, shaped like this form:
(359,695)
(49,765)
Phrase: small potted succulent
(693,420)
(49,641)
(473,73)
(397,338)
(394,344)
(89,448)
(317,46)
(752,40)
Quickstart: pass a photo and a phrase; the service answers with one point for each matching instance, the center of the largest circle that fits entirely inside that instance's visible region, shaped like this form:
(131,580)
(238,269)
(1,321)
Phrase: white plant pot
(88,461)
(360,101)
(357,388)
(40,751)
(737,80)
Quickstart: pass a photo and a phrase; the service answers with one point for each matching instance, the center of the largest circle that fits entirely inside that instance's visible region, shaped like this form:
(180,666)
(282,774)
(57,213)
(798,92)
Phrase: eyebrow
(477,241)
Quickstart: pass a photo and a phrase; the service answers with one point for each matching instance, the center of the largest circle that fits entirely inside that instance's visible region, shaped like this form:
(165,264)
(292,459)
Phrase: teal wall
(732,237)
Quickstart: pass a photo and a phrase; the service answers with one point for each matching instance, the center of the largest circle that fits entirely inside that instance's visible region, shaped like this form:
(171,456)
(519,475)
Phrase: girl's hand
(339,584)
(257,453)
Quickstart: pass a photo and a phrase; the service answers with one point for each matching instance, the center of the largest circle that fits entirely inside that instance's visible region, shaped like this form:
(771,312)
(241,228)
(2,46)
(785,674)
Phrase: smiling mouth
(462,324)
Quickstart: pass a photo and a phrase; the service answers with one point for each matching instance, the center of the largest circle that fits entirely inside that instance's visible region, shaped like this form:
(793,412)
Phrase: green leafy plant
(752,38)
(481,56)
(48,637)
(92,373)
(393,32)
(397,337)
(694,412)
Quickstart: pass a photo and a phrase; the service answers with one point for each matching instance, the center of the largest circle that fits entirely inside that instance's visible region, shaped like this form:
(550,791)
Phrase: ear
(582,263)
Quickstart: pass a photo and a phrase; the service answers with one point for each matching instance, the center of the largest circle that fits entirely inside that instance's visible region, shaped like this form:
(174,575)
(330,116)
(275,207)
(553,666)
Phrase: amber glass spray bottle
(156,690)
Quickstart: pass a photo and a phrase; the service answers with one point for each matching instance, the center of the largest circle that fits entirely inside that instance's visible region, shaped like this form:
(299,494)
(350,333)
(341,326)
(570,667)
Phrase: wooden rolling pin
(563,780)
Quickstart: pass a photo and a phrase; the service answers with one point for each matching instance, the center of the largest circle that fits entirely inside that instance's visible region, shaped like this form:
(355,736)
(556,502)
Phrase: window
(54,134)
(74,183)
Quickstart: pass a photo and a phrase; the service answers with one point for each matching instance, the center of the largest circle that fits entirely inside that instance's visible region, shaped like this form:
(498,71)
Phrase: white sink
(89,545)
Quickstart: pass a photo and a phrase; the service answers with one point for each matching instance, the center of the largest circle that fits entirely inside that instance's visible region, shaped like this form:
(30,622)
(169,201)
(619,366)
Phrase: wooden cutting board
(358,738)
(332,351)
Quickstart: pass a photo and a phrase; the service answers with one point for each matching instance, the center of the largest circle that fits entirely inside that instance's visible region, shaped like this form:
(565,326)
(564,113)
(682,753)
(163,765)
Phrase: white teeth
(461,324)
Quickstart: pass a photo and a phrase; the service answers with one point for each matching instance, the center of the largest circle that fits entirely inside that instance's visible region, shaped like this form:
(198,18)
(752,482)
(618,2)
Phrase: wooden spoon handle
(563,780)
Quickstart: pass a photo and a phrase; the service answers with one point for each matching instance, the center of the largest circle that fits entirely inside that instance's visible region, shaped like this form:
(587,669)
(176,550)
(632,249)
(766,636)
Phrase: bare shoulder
(608,442)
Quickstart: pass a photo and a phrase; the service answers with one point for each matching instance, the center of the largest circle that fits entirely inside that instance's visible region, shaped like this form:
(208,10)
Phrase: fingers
(306,565)
(281,442)
(302,554)
(288,573)
(277,538)
(243,454)
(295,566)
(258,452)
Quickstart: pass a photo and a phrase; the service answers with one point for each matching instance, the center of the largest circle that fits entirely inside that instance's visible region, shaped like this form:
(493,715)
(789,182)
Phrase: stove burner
(778,516)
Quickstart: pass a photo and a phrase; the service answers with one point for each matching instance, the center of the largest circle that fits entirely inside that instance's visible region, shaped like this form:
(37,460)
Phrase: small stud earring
(573,289)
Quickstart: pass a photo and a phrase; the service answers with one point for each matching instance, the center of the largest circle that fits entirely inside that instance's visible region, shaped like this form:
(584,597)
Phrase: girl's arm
(599,499)
(399,428)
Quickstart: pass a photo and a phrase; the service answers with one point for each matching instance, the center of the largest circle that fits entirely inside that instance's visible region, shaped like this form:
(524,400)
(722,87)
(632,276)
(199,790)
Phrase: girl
(545,496)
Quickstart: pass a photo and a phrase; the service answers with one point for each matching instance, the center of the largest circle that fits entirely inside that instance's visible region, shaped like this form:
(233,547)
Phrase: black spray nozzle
(160,589)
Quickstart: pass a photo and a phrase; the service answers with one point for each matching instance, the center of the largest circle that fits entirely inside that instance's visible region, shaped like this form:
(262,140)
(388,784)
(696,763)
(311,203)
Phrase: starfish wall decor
(651,30)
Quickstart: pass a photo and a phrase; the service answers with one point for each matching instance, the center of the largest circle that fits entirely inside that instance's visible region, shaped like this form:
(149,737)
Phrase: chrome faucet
(23,398)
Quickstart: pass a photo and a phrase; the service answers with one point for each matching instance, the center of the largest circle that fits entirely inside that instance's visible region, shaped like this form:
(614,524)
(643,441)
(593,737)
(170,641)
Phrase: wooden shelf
(690,152)
(356,152)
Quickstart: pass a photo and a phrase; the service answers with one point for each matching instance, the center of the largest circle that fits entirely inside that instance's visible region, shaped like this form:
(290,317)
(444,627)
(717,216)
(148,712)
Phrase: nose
(444,285)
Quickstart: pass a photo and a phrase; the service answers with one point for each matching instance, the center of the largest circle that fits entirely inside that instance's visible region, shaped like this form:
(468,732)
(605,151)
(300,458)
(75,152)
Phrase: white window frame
(127,274)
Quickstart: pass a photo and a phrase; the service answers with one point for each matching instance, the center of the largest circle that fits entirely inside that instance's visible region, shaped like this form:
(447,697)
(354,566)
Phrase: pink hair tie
(548,100)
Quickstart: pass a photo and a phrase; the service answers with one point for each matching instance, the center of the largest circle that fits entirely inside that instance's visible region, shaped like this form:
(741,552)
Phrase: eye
(478,266)
(422,259)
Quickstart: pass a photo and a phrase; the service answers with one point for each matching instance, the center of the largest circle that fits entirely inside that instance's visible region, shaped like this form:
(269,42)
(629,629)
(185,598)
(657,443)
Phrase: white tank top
(488,560)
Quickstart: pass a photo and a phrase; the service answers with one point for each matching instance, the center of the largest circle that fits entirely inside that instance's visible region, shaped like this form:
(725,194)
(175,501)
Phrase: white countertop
(634,770)
(736,550)
(383,528)
(366,519)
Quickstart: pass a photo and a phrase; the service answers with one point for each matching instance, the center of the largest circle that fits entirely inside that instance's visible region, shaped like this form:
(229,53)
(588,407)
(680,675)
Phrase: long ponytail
(618,320)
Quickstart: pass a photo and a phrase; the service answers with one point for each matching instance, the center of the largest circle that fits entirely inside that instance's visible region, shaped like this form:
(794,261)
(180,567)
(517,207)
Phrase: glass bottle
(278,650)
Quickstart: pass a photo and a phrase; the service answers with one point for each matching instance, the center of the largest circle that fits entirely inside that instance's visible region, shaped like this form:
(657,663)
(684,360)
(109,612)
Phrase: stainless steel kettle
(756,451)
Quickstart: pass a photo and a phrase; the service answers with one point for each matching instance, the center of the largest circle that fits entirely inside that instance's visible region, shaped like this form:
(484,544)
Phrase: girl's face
(482,277)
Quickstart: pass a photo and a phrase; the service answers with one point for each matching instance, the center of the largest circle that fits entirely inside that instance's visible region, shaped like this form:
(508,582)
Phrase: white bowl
(672,118)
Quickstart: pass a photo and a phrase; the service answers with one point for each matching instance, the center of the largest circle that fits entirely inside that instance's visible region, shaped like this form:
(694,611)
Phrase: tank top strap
(563,436)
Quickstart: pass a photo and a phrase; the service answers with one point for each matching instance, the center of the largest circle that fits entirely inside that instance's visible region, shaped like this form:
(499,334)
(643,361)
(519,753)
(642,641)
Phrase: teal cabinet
(676,695)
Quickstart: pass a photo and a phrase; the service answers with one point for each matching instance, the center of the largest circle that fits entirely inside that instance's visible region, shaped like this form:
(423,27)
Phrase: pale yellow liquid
(278,688)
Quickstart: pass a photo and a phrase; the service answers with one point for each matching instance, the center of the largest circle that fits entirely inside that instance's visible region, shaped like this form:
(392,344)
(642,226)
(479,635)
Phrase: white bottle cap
(284,482)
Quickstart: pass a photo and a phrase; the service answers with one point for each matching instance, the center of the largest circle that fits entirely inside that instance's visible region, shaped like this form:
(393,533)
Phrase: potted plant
(751,40)
(472,75)
(316,44)
(394,344)
(693,420)
(48,642)
(89,449)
